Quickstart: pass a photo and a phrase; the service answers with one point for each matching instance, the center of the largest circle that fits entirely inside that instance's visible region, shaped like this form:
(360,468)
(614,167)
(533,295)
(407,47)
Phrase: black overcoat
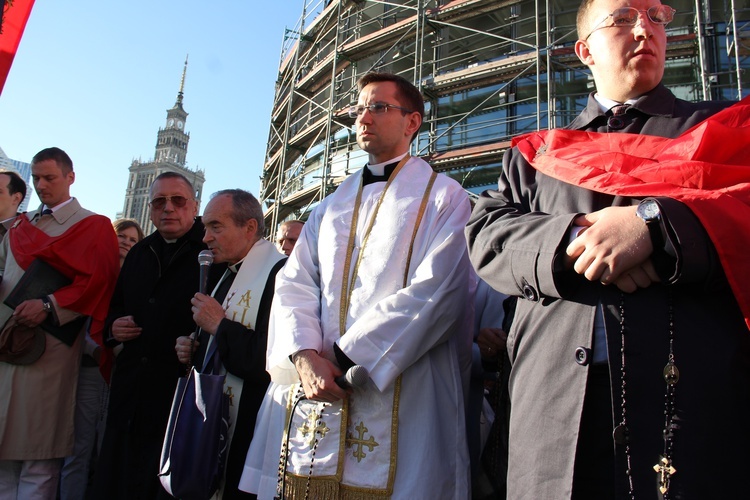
(516,237)
(156,291)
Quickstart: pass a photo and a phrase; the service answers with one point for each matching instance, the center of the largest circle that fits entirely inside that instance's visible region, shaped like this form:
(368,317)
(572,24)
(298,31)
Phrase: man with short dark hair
(37,387)
(234,317)
(288,234)
(631,358)
(12,193)
(150,308)
(380,279)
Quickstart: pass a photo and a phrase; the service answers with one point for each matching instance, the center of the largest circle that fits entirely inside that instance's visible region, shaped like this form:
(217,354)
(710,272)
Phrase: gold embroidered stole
(241,305)
(312,477)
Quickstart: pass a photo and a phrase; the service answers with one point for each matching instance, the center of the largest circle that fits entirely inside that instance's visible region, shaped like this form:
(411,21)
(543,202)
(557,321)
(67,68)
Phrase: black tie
(47,211)
(616,121)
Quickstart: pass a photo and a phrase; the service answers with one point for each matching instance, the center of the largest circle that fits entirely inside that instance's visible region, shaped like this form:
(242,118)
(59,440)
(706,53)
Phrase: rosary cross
(665,470)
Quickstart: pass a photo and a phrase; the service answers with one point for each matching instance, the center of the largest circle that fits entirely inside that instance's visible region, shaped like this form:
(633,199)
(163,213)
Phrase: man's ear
(415,121)
(252,226)
(583,52)
(17,199)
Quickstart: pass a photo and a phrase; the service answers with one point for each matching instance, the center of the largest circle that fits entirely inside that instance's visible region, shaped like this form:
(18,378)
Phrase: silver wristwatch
(649,211)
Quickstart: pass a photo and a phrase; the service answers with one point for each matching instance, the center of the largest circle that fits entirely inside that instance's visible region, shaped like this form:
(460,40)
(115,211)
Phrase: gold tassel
(360,494)
(296,487)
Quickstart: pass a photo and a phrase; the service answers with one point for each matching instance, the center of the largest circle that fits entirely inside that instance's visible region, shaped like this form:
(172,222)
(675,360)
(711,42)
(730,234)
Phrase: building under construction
(488,69)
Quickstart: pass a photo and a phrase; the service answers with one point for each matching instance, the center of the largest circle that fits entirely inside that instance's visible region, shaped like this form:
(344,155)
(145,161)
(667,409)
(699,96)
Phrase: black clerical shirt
(368,177)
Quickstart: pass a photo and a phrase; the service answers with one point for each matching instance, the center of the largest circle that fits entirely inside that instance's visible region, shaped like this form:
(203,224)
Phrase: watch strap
(654,230)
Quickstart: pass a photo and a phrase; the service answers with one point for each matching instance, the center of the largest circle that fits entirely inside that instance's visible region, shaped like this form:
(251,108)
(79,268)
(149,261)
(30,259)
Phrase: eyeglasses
(161,202)
(628,16)
(377,108)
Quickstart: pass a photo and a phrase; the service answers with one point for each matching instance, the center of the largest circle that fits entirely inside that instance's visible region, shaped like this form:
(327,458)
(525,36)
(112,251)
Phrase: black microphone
(205,259)
(356,376)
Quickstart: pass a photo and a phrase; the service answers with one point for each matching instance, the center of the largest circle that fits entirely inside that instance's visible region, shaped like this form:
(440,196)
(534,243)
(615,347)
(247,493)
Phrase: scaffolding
(488,69)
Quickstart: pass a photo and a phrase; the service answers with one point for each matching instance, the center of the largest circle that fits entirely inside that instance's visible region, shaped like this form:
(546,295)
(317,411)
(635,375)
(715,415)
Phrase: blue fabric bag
(195,443)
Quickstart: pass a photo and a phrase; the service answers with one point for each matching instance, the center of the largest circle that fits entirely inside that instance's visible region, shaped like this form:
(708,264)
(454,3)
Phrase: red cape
(707,168)
(87,253)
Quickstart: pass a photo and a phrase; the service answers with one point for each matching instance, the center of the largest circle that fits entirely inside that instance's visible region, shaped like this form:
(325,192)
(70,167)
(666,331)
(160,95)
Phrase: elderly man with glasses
(630,354)
(150,309)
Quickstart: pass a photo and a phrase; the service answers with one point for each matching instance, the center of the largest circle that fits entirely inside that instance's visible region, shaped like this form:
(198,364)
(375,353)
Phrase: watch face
(649,210)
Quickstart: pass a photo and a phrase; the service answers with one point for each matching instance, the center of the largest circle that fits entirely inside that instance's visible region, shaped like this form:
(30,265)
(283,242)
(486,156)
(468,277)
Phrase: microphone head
(206,258)
(357,376)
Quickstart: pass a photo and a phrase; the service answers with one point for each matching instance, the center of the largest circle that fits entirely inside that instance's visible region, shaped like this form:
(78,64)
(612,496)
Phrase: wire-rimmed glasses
(628,16)
(377,108)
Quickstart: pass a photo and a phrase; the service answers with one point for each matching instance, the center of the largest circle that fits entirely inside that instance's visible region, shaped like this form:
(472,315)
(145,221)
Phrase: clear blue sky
(95,78)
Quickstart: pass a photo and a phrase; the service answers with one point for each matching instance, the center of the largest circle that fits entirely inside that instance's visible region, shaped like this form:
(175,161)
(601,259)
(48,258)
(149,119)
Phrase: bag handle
(212,360)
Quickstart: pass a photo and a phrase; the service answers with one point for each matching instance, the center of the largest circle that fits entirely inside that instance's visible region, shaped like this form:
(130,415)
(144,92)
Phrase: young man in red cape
(629,343)
(38,393)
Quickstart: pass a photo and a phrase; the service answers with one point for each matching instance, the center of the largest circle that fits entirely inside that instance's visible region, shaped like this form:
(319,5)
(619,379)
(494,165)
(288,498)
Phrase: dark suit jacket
(157,293)
(516,236)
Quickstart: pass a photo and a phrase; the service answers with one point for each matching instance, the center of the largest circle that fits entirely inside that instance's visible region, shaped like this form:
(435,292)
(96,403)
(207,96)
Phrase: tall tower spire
(182,82)
(170,156)
(172,140)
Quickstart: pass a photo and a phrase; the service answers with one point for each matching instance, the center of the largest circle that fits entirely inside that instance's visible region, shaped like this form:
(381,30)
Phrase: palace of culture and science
(170,156)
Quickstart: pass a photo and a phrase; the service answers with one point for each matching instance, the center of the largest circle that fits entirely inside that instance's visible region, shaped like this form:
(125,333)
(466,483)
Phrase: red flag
(707,168)
(14,18)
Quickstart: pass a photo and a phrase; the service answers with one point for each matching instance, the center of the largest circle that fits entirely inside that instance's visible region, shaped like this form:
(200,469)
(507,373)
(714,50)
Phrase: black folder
(39,280)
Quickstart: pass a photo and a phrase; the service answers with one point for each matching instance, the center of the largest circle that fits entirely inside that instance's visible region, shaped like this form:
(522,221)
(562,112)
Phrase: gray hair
(245,207)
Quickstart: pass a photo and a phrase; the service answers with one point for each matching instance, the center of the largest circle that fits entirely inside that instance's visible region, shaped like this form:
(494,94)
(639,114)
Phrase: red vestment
(707,168)
(86,254)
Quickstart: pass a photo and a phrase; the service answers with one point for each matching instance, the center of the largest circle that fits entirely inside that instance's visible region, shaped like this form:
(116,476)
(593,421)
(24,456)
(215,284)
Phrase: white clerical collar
(236,266)
(379,168)
(606,104)
(58,206)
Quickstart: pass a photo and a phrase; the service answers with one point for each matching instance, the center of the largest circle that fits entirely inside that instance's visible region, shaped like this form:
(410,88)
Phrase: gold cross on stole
(312,425)
(361,442)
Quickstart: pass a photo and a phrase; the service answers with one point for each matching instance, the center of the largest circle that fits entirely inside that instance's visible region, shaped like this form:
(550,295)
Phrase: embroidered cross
(313,425)
(360,442)
(665,470)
